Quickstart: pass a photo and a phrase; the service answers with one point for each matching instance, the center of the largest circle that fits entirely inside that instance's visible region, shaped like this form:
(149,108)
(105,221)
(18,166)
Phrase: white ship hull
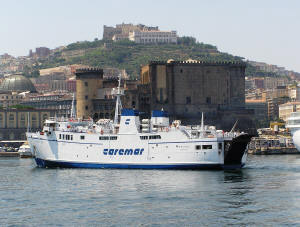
(129,151)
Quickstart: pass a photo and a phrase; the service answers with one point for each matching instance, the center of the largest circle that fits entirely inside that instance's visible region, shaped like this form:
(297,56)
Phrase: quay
(9,154)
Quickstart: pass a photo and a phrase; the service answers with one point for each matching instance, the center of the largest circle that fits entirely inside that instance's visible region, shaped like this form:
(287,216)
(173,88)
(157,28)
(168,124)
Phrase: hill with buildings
(130,56)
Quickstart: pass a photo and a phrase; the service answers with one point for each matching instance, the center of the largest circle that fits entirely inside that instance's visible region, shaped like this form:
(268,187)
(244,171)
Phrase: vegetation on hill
(130,56)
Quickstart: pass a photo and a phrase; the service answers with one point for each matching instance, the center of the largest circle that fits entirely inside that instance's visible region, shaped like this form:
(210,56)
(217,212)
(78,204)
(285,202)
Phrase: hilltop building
(146,37)
(139,34)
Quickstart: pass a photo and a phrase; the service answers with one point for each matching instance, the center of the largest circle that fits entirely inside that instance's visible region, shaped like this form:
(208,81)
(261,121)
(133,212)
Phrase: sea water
(265,192)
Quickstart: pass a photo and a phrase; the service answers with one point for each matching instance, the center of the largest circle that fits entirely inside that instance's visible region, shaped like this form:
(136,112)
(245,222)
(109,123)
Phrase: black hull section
(235,150)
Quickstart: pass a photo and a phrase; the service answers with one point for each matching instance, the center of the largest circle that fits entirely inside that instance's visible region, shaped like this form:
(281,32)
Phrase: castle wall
(88,81)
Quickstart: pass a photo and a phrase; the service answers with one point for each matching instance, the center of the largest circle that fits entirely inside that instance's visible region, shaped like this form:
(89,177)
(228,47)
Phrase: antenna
(73,112)
(233,128)
(118,92)
(27,121)
(202,122)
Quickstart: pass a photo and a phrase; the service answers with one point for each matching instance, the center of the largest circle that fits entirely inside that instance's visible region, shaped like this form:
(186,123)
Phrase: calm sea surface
(266,192)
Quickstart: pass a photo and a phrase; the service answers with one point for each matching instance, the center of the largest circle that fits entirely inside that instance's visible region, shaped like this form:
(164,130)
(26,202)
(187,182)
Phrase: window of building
(188,100)
(181,71)
(206,146)
(11,119)
(45,116)
(86,84)
(82,137)
(86,97)
(34,121)
(208,100)
(86,107)
(22,120)
(1,119)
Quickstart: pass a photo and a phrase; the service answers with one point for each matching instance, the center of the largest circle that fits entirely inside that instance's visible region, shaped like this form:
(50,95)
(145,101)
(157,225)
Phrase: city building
(14,122)
(260,107)
(17,83)
(10,98)
(286,109)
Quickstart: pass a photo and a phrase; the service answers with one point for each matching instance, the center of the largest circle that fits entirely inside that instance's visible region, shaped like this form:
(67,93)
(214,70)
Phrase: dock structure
(272,145)
(9,154)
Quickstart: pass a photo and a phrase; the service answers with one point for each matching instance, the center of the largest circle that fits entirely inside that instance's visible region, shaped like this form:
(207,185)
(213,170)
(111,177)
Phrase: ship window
(103,138)
(154,137)
(220,146)
(143,137)
(198,147)
(82,137)
(71,137)
(63,136)
(68,137)
(206,146)
(60,136)
(113,138)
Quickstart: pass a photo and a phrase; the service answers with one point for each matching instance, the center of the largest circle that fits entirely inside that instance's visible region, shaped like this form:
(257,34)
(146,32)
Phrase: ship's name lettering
(137,151)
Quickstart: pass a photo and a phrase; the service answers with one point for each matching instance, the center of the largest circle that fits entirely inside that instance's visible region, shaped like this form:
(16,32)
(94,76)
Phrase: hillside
(130,56)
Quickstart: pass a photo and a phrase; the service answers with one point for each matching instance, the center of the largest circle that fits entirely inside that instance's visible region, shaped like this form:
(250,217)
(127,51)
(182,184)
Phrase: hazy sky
(260,30)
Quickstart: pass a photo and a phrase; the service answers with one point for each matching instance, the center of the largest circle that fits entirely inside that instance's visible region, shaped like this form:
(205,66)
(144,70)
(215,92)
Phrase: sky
(258,30)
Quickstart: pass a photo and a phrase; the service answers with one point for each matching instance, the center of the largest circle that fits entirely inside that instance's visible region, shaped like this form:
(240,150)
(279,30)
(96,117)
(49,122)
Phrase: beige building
(286,109)
(145,37)
(88,81)
(10,99)
(14,122)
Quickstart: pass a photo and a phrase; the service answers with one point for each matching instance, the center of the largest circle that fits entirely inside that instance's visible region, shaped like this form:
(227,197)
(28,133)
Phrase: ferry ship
(293,124)
(131,142)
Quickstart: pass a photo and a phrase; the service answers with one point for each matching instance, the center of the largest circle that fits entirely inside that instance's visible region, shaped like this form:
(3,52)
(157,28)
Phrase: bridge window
(144,137)
(82,137)
(60,136)
(206,146)
(103,138)
(198,147)
(71,137)
(113,138)
(154,137)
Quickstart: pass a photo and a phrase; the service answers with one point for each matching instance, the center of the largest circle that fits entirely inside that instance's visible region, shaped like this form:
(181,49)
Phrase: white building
(153,36)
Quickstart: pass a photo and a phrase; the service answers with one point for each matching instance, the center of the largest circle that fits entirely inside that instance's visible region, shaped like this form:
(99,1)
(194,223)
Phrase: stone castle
(183,88)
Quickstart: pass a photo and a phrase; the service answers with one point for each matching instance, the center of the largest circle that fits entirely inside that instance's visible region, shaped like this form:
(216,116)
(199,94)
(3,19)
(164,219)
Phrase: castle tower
(88,81)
